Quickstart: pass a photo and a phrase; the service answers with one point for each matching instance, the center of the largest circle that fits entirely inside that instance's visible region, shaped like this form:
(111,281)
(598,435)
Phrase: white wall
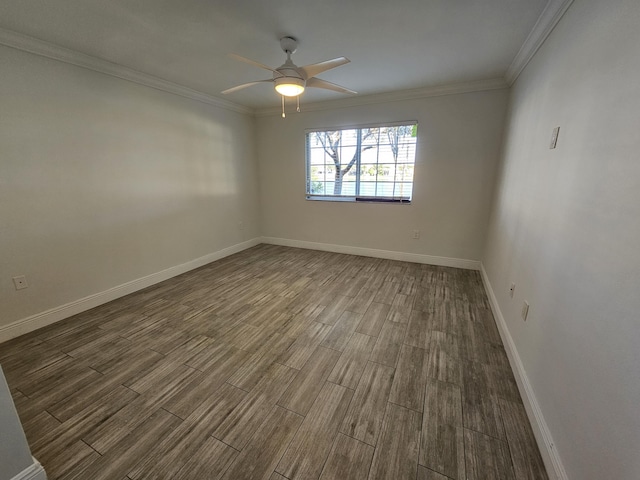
(104,181)
(565,227)
(459,138)
(15,456)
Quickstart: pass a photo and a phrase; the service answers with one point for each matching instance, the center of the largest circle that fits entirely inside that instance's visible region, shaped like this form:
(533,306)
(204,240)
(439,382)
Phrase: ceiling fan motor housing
(288,79)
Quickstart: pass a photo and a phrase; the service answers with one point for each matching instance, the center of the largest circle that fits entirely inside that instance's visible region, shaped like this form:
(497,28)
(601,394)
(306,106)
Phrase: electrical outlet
(20,282)
(525,310)
(512,289)
(240,225)
(416,234)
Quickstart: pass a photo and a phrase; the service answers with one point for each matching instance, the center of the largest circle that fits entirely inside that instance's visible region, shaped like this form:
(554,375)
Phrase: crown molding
(396,96)
(547,21)
(33,45)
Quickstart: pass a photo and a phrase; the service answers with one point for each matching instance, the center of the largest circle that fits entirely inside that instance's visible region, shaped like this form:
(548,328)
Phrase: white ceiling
(392,46)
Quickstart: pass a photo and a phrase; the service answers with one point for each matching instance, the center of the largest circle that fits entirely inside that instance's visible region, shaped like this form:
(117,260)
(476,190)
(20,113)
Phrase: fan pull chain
(298,103)
(283,115)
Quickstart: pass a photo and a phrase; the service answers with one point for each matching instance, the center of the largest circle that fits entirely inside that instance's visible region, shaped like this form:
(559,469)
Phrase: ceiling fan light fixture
(289,86)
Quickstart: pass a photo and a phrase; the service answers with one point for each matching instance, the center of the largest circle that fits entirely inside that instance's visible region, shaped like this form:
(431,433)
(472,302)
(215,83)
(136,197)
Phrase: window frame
(357,198)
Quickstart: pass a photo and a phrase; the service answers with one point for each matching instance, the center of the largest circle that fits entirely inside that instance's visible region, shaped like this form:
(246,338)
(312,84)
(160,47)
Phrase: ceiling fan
(289,79)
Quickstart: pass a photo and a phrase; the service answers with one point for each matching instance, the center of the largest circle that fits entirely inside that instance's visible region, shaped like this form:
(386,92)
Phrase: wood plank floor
(278,363)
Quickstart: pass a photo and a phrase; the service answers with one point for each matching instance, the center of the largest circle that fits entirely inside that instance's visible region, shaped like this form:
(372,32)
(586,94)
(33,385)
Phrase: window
(372,163)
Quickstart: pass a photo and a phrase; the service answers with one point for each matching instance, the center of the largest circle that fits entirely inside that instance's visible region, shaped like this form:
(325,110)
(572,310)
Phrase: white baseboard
(549,453)
(32,472)
(371,252)
(39,320)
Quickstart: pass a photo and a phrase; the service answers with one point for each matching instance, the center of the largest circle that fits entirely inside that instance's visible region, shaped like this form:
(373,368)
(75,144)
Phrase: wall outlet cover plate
(20,282)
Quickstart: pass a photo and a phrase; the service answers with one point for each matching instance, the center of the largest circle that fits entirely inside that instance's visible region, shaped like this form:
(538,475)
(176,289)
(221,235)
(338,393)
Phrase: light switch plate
(554,138)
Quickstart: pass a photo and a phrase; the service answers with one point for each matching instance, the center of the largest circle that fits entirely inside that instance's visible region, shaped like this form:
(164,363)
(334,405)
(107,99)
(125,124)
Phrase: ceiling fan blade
(317,83)
(244,85)
(317,68)
(253,62)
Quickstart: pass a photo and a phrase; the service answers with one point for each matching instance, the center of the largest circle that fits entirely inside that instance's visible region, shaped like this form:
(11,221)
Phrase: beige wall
(565,228)
(459,138)
(103,181)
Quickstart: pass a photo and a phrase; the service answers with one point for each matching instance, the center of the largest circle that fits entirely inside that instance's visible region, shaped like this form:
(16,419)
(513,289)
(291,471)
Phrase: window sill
(332,198)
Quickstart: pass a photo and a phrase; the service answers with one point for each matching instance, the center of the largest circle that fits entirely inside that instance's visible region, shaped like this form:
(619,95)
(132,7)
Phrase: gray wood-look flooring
(278,363)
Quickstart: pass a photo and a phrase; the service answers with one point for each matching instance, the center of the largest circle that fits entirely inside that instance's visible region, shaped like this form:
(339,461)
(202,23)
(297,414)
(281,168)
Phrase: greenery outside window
(368,163)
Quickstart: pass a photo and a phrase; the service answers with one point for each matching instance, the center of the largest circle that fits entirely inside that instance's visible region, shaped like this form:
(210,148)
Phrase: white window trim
(352,198)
